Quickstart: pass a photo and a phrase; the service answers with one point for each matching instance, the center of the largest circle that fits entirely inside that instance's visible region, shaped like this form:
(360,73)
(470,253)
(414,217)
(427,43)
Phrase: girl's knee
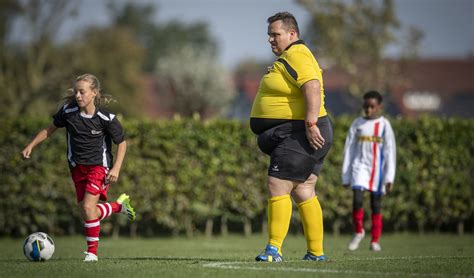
(88,211)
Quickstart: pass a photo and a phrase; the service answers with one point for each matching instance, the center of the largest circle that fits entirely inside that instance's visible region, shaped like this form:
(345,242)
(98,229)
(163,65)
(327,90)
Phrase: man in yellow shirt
(293,128)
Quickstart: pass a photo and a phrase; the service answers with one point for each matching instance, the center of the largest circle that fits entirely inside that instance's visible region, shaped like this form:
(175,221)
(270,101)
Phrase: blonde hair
(100,98)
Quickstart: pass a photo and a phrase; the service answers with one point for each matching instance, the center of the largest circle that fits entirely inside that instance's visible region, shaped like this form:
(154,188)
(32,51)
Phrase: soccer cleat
(375,246)
(270,254)
(354,244)
(124,200)
(311,257)
(90,257)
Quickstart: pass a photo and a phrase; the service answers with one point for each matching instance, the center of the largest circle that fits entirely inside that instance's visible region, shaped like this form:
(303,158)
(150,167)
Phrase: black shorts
(291,156)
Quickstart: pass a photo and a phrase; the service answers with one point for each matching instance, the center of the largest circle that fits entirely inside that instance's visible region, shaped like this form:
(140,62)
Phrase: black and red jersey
(89,137)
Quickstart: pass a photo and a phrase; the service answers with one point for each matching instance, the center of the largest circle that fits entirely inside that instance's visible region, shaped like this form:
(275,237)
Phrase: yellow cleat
(124,200)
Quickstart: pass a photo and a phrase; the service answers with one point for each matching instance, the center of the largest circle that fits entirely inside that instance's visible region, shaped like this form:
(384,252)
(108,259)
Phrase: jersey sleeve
(59,119)
(349,153)
(115,130)
(300,67)
(390,153)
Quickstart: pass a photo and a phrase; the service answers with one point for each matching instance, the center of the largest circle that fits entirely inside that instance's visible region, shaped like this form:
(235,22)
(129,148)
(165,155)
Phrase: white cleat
(375,246)
(354,244)
(90,257)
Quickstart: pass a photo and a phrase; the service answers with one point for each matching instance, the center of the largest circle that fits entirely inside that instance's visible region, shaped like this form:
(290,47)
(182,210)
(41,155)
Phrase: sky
(240,25)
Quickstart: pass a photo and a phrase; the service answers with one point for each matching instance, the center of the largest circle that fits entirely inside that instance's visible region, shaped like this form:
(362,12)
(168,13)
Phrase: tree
(160,40)
(353,35)
(36,69)
(114,56)
(9,9)
(182,56)
(197,83)
(27,66)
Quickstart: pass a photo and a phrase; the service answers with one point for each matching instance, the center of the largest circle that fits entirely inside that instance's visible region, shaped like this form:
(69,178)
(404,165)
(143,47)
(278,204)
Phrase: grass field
(402,255)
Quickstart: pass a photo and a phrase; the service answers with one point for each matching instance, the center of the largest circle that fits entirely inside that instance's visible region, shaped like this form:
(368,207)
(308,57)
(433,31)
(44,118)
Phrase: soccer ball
(38,247)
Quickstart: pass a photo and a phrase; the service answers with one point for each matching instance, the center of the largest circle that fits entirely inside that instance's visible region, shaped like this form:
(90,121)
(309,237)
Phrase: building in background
(443,87)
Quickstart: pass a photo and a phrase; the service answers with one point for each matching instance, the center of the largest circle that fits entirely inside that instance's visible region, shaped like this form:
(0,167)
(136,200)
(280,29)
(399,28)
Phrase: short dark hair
(287,19)
(373,94)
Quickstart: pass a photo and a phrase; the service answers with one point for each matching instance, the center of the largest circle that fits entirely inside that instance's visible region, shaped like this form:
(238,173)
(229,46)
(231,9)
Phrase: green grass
(402,255)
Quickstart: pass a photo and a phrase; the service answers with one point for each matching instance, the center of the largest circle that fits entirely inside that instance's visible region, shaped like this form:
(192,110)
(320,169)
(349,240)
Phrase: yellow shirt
(279,95)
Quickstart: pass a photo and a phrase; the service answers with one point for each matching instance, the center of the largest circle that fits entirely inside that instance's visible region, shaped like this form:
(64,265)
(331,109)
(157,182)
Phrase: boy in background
(369,165)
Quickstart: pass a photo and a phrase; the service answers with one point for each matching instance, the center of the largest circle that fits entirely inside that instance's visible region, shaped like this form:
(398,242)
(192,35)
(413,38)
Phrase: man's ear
(293,35)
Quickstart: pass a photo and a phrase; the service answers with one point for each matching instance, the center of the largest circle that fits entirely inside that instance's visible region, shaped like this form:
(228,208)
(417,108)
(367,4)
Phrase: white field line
(405,258)
(240,266)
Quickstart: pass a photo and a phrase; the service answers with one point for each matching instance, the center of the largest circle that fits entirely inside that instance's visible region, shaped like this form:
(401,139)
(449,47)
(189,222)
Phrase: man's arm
(312,94)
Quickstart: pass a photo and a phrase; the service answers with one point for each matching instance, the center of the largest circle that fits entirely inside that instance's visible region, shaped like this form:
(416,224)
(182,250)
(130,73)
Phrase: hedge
(190,176)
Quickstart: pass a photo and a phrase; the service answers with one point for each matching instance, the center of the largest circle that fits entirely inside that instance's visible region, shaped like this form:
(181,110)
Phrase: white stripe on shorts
(95,186)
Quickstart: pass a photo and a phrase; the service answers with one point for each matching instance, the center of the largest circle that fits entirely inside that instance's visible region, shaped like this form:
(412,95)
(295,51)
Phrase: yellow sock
(312,218)
(279,215)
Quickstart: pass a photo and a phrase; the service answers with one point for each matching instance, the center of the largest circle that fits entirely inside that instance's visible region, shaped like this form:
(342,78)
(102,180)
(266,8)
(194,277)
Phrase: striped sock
(92,231)
(106,209)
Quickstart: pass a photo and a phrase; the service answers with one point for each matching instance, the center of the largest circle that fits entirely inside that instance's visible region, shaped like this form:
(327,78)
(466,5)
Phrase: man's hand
(316,140)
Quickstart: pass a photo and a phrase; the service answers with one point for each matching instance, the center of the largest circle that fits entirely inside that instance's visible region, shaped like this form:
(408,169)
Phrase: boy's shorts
(90,178)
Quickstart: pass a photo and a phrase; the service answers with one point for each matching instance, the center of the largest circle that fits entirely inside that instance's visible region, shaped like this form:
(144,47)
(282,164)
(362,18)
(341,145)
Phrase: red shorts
(90,178)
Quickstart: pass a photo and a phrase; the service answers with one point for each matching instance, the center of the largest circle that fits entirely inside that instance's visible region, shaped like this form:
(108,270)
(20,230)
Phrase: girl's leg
(106,209)
(90,213)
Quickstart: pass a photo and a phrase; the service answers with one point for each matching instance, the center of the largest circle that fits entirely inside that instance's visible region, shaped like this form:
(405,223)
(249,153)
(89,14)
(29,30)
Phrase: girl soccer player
(90,132)
(369,165)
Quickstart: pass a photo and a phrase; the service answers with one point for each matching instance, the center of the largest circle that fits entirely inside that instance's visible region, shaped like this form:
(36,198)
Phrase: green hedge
(188,177)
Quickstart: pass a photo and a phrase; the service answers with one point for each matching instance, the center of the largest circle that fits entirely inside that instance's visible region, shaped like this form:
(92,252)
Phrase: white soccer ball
(38,247)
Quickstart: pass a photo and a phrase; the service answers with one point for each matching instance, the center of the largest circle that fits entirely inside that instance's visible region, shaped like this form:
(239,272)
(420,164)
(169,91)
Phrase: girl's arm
(40,137)
(115,171)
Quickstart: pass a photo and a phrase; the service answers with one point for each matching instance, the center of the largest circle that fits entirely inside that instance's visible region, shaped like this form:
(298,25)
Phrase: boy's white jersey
(369,155)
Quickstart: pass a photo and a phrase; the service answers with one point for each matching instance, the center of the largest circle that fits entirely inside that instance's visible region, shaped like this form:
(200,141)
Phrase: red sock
(376,227)
(358,220)
(106,209)
(92,231)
